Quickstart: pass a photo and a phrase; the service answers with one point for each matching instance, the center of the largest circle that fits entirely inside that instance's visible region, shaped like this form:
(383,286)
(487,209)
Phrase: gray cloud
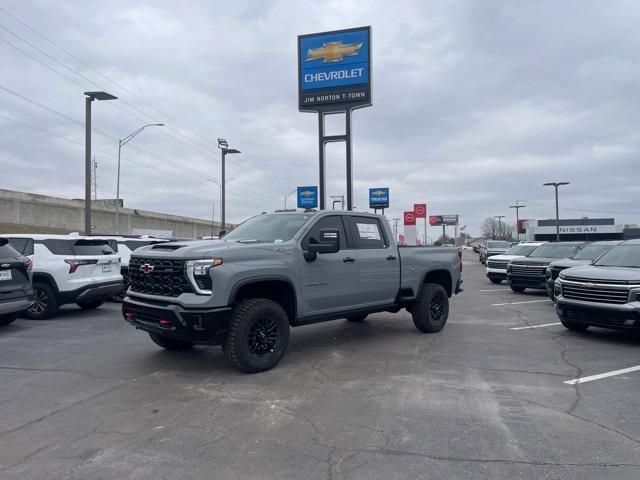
(476,104)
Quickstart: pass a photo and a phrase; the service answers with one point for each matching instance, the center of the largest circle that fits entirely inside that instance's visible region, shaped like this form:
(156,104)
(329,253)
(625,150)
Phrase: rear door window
(22,245)
(6,250)
(58,246)
(367,232)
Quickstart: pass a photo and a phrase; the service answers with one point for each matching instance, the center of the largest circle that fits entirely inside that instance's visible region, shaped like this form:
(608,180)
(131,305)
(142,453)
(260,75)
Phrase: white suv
(68,269)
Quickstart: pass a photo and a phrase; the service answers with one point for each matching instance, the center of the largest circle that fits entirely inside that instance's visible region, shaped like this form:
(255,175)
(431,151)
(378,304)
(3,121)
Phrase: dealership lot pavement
(86,396)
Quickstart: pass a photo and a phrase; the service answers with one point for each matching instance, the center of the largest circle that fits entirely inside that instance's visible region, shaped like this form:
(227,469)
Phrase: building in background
(579,229)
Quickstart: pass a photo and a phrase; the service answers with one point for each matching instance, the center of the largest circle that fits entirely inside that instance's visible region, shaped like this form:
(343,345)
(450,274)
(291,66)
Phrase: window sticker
(368,231)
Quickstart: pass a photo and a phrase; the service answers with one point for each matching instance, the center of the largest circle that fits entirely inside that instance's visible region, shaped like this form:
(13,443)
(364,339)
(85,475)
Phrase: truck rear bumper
(96,291)
(198,326)
(15,305)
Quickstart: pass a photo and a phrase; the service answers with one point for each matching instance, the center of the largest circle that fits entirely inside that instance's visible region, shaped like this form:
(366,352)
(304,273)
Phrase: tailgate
(13,278)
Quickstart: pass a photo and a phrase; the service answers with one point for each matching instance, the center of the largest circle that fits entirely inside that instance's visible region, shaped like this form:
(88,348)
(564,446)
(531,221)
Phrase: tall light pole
(121,143)
(90,97)
(219,185)
(224,148)
(517,206)
(285,197)
(556,185)
(499,217)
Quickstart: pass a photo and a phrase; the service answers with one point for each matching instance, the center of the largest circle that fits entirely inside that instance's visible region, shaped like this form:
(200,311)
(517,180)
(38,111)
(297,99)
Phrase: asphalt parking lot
(86,396)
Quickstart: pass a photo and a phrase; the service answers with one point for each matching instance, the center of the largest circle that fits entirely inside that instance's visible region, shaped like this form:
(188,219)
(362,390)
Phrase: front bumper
(528,281)
(607,315)
(201,326)
(498,273)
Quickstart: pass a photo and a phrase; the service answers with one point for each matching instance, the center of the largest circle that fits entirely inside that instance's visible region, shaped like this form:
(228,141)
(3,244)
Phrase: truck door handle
(348,259)
(391,257)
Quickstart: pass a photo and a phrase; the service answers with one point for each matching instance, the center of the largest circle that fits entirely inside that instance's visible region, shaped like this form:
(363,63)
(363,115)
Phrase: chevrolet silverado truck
(282,270)
(605,294)
(583,257)
(496,270)
(531,271)
(491,248)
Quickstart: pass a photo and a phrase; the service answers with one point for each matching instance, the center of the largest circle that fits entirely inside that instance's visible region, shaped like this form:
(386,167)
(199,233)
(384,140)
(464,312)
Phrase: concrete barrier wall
(23,208)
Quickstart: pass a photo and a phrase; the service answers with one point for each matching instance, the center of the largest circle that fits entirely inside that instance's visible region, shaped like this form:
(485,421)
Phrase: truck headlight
(548,273)
(634,296)
(557,289)
(199,274)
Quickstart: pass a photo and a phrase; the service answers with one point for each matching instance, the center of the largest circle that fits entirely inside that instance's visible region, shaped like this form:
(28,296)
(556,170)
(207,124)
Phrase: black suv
(603,294)
(583,257)
(531,271)
(16,293)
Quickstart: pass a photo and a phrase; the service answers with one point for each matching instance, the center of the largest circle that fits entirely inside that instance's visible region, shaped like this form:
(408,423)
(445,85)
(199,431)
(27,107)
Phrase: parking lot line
(535,326)
(519,303)
(599,376)
(496,290)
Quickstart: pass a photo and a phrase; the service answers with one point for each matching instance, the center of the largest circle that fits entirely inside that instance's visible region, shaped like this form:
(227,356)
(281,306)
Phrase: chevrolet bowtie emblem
(333,51)
(589,285)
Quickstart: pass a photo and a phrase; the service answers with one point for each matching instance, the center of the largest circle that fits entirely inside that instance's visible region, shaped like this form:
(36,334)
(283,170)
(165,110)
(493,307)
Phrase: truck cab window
(333,221)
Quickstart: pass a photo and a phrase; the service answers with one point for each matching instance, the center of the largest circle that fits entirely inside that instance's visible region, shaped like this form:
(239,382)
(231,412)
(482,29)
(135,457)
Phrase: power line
(209,152)
(583,209)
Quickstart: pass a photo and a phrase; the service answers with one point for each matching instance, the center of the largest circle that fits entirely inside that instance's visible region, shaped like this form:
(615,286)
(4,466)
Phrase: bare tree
(494,230)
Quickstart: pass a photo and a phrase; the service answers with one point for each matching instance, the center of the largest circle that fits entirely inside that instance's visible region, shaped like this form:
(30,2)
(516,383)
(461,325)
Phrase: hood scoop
(166,246)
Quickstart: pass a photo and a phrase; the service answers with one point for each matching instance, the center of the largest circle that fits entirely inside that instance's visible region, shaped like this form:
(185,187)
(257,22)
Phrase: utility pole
(556,185)
(224,149)
(500,217)
(213,216)
(395,228)
(517,206)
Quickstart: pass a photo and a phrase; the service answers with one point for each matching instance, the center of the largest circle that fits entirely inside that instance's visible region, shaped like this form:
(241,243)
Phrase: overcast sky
(475,104)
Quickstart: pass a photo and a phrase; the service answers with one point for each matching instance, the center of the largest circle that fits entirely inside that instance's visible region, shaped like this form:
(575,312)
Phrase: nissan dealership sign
(579,229)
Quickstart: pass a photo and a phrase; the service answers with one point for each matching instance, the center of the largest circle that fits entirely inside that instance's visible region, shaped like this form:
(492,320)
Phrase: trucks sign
(439,220)
(334,70)
(308,197)
(379,197)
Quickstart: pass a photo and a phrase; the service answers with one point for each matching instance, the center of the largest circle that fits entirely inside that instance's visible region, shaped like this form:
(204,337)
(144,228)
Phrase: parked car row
(40,272)
(591,283)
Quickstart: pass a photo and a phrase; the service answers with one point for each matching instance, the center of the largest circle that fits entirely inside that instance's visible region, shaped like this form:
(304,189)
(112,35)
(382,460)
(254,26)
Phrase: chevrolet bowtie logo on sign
(333,51)
(307,193)
(377,193)
(379,197)
(334,70)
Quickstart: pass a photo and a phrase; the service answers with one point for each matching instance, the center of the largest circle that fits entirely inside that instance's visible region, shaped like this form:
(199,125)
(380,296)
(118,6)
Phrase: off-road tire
(573,326)
(258,335)
(45,304)
(7,318)
(517,289)
(90,304)
(357,318)
(497,281)
(169,343)
(431,308)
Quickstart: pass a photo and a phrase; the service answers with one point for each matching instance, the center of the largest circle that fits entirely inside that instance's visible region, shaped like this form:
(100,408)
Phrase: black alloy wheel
(263,336)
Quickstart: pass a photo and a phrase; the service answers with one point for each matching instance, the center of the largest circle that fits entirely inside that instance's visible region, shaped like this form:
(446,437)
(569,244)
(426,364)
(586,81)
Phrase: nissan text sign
(334,70)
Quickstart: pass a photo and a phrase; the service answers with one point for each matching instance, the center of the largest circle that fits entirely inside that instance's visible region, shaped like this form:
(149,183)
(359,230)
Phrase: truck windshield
(269,228)
(523,250)
(621,256)
(554,251)
(591,252)
(497,244)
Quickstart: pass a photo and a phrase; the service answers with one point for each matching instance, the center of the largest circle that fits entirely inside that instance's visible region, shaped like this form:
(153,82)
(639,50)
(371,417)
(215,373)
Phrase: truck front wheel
(258,335)
(431,308)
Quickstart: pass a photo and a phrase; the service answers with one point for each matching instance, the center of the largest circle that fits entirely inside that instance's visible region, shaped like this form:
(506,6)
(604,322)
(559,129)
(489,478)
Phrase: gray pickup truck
(280,270)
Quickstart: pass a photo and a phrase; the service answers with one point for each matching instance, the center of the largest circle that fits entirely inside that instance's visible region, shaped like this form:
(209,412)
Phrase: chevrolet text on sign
(334,69)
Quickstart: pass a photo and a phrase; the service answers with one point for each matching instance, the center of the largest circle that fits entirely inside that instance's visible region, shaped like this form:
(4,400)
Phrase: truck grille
(500,264)
(595,294)
(163,276)
(528,270)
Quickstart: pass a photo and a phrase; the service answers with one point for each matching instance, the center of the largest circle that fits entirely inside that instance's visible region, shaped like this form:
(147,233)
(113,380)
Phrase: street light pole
(90,97)
(517,206)
(556,185)
(224,148)
(121,143)
(285,197)
(500,217)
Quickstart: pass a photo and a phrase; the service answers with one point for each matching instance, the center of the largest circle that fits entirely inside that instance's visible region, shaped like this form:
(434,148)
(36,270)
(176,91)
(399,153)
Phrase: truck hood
(505,257)
(200,249)
(595,273)
(568,263)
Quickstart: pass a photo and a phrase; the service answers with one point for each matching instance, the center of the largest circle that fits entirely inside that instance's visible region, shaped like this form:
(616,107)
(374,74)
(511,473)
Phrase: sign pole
(425,229)
(349,165)
(322,165)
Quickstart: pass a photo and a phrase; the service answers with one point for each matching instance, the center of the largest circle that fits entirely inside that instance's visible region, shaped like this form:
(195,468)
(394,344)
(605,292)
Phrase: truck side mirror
(329,242)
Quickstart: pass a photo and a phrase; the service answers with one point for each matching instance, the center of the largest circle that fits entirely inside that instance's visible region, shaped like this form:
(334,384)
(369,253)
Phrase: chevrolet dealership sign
(334,70)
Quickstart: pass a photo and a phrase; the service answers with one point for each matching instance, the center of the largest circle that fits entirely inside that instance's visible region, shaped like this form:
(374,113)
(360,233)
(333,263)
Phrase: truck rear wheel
(258,335)
(431,308)
(169,343)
